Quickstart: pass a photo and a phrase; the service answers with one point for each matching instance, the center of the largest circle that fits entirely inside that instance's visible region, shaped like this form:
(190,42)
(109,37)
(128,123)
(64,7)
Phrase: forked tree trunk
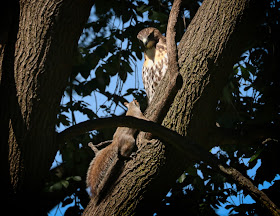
(207,51)
(35,61)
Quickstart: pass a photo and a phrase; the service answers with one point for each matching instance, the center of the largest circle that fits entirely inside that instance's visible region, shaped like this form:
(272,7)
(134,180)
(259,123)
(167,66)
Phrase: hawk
(156,61)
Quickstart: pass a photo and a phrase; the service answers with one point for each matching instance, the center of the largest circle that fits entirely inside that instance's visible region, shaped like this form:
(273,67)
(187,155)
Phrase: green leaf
(63,119)
(255,156)
(245,73)
(88,87)
(126,67)
(77,178)
(161,17)
(122,74)
(143,8)
(250,68)
(56,187)
(101,52)
(89,113)
(85,73)
(235,69)
(92,60)
(227,94)
(182,178)
(99,72)
(65,183)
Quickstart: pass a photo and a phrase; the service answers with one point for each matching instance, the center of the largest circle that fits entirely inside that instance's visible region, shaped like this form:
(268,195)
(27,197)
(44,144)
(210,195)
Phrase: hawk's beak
(145,42)
(148,44)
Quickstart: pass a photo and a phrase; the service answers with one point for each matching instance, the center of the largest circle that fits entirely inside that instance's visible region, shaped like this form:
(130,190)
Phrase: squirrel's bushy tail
(101,170)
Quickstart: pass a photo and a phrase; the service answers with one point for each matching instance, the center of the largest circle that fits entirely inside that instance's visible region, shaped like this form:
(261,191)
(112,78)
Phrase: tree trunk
(35,66)
(207,52)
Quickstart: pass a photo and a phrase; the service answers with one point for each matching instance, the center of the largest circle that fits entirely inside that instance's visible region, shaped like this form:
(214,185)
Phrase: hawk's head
(150,37)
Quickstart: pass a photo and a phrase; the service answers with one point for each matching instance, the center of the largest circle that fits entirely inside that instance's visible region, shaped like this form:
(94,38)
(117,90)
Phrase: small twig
(95,147)
(104,143)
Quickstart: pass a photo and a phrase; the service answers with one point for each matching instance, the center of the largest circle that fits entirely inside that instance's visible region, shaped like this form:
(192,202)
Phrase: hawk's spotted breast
(155,64)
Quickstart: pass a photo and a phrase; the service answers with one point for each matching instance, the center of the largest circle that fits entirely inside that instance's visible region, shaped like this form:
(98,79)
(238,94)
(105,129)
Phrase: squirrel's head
(132,103)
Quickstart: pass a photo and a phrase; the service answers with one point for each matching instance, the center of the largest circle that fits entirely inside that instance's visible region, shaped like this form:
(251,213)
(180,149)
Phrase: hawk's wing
(154,70)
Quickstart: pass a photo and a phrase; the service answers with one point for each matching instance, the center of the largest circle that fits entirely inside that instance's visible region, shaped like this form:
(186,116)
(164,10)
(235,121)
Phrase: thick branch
(220,136)
(163,133)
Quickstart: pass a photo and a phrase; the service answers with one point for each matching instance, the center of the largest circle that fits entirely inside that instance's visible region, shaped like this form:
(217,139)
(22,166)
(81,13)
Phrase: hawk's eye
(151,36)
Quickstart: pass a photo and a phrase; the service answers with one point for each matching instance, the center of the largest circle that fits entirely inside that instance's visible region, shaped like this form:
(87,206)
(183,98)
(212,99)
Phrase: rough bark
(207,51)
(35,66)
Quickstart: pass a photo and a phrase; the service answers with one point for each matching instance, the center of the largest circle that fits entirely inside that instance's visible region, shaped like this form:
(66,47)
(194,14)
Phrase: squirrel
(105,164)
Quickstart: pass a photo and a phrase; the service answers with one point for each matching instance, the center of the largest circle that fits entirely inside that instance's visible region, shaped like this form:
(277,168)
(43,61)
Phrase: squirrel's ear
(136,102)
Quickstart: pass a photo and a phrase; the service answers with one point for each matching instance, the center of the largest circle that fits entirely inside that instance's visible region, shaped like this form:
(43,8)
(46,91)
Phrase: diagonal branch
(258,195)
(244,182)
